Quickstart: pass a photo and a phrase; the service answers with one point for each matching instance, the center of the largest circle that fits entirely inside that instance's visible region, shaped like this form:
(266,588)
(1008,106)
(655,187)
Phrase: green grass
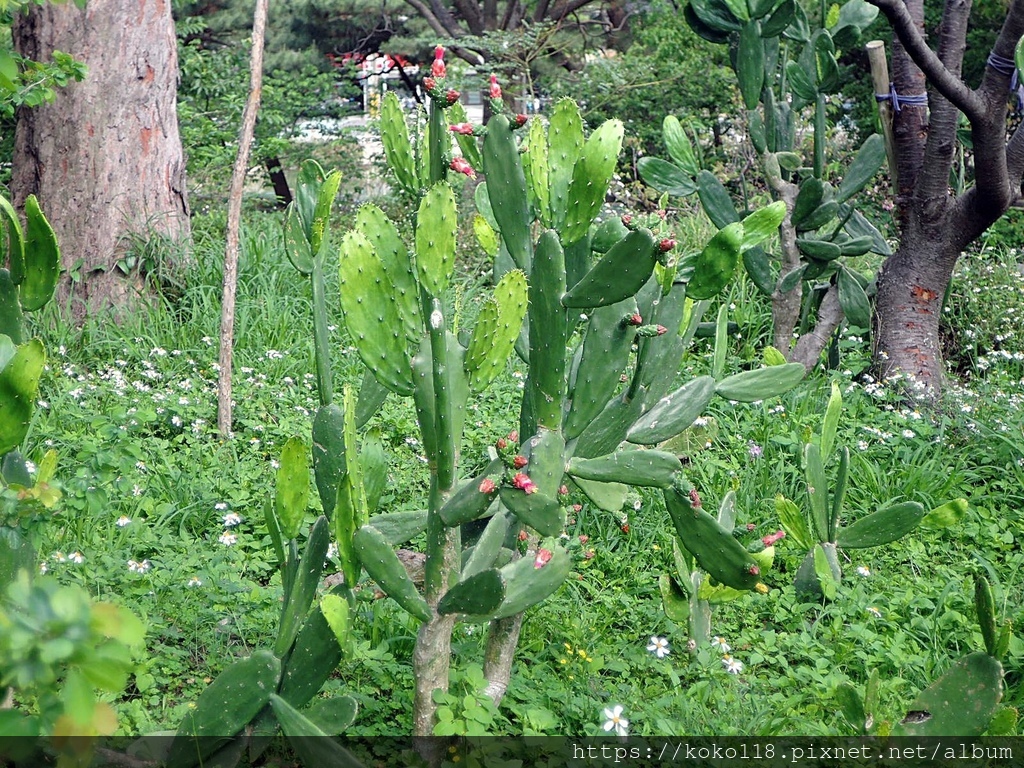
(130,409)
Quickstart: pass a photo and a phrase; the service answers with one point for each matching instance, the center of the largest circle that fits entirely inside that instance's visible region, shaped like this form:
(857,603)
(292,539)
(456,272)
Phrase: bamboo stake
(880,83)
(227,314)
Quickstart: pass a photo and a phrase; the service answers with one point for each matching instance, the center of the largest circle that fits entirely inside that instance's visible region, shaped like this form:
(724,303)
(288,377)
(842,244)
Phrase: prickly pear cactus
(29,268)
(583,426)
(819,527)
(784,64)
(688,595)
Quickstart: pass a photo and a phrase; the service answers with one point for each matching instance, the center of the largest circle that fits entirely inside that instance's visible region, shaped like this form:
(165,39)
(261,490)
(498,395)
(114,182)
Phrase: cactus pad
(673,413)
(388,245)
(653,469)
(960,703)
(20,369)
(713,547)
(506,190)
(395,137)
(496,330)
(620,273)
(477,595)
(603,358)
(714,266)
(761,383)
(384,567)
(537,510)
(882,527)
(372,314)
(590,177)
(42,258)
(225,708)
(565,142)
(436,225)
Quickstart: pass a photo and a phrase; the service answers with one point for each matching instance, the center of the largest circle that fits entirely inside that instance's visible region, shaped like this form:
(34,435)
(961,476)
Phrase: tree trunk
(936,226)
(282,191)
(105,158)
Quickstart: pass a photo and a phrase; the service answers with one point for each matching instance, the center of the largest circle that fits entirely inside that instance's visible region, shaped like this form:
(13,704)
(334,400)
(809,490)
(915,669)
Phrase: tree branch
(433,21)
(565,7)
(994,84)
(940,146)
(1015,155)
(472,14)
(944,81)
(810,346)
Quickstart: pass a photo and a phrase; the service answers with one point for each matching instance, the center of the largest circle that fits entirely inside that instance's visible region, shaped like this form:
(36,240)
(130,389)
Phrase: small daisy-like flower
(59,557)
(659,647)
(615,721)
(123,520)
(138,567)
(43,568)
(232,519)
(732,666)
(874,611)
(863,570)
(76,557)
(136,491)
(754,449)
(909,434)
(720,644)
(195,581)
(332,550)
(227,538)
(220,505)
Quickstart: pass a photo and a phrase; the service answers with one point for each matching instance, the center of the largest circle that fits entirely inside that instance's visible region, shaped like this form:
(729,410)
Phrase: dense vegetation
(162,515)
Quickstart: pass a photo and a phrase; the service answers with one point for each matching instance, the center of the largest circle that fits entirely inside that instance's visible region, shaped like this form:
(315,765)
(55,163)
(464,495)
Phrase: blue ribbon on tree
(899,101)
(1008,67)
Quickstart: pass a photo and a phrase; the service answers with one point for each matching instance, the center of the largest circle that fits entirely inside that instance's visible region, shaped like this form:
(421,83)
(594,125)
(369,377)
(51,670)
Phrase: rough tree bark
(105,158)
(935,226)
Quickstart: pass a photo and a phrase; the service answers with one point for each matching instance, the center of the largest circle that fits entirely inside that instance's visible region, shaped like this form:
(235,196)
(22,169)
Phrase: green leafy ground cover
(161,515)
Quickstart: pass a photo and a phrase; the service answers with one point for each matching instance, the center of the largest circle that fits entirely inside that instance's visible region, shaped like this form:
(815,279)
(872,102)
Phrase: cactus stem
(321,335)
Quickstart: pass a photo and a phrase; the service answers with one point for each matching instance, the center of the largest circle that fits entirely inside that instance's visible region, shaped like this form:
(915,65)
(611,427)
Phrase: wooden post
(880,83)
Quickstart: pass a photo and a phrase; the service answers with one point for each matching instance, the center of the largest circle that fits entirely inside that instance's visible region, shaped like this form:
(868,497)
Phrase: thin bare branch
(234,223)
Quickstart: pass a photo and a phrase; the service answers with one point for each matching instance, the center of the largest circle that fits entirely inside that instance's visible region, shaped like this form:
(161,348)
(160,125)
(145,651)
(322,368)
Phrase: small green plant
(56,648)
(243,708)
(27,282)
(818,528)
(964,701)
